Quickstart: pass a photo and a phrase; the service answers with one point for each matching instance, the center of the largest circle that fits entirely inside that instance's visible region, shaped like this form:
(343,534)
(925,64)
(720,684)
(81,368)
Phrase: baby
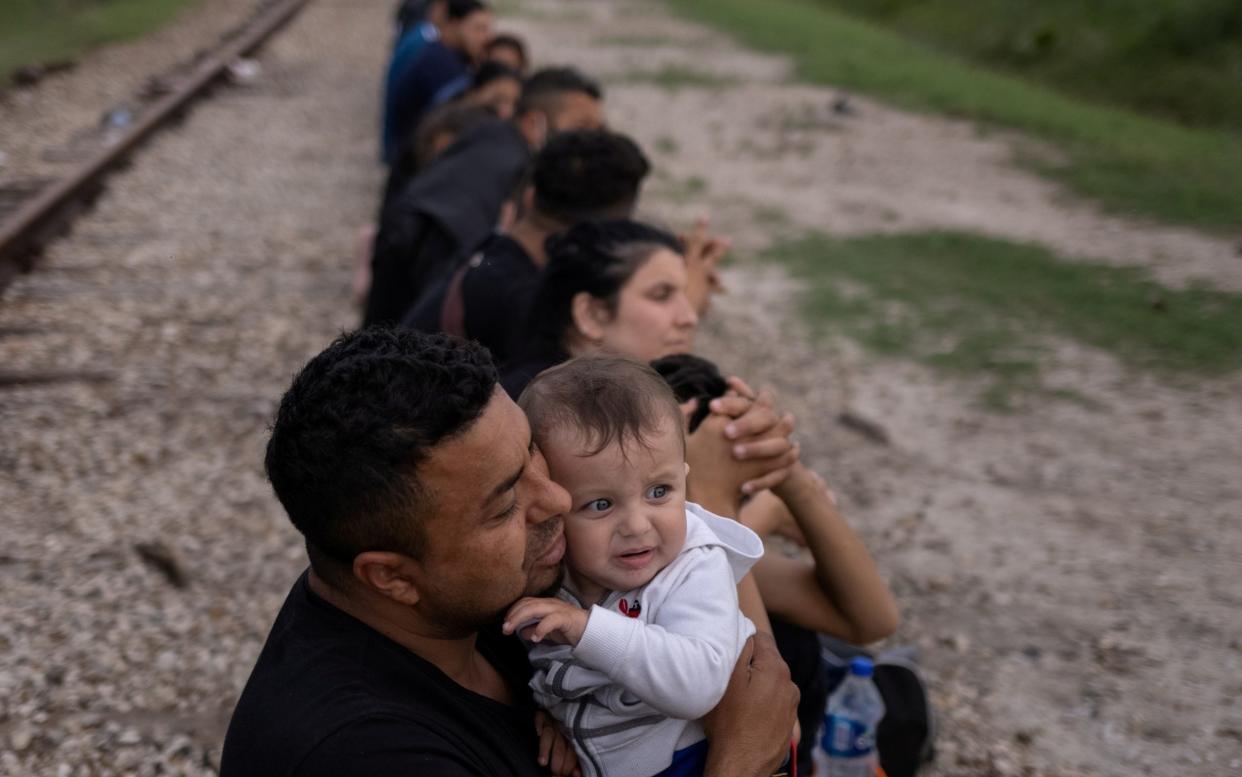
(643,634)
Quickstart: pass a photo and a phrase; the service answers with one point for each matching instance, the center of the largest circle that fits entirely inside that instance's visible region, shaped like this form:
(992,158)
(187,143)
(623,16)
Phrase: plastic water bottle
(846,742)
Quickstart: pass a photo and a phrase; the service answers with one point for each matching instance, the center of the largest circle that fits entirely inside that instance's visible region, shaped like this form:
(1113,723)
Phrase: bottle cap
(861,666)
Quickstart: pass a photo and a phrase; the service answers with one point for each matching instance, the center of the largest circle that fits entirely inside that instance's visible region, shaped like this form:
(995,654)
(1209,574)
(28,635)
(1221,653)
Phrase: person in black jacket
(452,206)
(576,176)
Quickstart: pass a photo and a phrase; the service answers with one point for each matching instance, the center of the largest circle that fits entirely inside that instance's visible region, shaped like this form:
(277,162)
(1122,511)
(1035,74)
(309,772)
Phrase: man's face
(576,111)
(470,35)
(494,533)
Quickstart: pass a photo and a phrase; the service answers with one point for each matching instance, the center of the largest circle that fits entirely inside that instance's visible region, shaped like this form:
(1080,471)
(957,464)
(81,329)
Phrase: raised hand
(536,619)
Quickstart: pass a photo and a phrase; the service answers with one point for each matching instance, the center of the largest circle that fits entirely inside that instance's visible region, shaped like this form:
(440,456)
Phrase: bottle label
(846,738)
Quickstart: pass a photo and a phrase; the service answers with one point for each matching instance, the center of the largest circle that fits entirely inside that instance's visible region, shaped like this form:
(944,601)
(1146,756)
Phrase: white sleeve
(680,662)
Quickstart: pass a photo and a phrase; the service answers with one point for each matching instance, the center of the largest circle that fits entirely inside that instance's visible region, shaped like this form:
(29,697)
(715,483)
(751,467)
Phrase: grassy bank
(1126,161)
(41,32)
(1179,59)
(986,307)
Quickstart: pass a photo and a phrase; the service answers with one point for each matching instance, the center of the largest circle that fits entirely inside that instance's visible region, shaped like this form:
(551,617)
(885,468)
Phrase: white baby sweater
(655,659)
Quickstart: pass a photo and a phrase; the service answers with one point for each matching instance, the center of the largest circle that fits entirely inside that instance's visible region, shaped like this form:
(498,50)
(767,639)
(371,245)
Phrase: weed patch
(987,307)
(1126,161)
(676,77)
(40,32)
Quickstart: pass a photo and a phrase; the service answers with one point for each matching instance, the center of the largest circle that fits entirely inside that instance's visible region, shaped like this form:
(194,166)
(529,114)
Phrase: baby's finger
(553,622)
(527,610)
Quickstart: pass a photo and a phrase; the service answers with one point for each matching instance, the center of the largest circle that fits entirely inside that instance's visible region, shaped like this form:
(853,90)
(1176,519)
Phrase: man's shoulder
(501,259)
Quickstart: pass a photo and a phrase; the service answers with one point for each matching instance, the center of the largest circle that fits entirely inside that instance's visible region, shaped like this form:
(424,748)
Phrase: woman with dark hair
(610,287)
(837,591)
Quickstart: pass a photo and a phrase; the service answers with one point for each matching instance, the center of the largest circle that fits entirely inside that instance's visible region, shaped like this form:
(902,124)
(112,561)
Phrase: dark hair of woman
(597,257)
(692,377)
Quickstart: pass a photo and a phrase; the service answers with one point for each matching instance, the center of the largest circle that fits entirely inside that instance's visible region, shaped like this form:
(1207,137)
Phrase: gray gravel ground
(174,315)
(44,130)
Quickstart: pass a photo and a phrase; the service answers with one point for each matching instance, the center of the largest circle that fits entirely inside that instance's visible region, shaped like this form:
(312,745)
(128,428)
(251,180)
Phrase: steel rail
(23,235)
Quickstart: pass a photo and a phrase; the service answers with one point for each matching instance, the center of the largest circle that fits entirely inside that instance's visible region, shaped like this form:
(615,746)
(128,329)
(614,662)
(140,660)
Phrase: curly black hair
(586,174)
(352,429)
(692,377)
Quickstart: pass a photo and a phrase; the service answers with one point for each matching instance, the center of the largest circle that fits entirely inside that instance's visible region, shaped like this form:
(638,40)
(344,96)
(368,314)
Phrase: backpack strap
(453,310)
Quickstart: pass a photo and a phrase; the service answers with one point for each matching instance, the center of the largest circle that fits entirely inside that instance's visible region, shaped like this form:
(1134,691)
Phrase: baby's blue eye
(599,505)
(657,492)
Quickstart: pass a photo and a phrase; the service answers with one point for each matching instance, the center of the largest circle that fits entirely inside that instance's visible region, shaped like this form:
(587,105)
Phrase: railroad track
(38,213)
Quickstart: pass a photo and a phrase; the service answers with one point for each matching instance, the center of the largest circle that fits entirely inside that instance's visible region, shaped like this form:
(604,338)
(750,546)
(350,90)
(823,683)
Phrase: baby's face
(627,518)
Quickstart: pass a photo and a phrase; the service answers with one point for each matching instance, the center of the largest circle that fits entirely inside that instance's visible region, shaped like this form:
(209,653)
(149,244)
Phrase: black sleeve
(387,747)
(496,311)
(410,250)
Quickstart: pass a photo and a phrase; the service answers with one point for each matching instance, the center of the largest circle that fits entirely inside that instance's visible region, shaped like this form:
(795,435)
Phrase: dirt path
(1071,570)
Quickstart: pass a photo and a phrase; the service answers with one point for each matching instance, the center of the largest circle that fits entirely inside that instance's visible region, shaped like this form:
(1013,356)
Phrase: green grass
(1126,161)
(666,144)
(40,32)
(675,77)
(1181,59)
(636,41)
(985,307)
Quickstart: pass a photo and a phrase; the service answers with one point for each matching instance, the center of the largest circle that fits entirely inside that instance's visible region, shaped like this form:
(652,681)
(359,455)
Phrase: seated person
(425,60)
(494,84)
(449,208)
(509,50)
(611,287)
(576,176)
(427,513)
(838,592)
(496,87)
(638,643)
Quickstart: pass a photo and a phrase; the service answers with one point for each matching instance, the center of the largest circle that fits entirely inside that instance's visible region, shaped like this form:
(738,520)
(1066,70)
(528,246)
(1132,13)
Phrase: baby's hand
(555,751)
(559,621)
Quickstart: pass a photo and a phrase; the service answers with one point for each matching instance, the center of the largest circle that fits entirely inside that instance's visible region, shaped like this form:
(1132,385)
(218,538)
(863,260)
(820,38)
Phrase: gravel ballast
(143,554)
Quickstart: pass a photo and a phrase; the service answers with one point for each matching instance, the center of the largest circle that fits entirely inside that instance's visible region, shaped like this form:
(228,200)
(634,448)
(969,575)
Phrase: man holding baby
(428,512)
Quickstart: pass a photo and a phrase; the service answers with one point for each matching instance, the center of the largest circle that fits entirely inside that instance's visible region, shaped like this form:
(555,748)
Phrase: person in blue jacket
(429,55)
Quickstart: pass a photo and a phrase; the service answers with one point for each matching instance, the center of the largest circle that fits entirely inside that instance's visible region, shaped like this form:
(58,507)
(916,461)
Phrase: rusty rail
(23,235)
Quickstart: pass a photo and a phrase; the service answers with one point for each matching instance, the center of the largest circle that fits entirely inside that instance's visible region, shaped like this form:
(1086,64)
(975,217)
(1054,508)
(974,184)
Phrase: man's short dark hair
(545,89)
(493,71)
(354,426)
(587,174)
(460,9)
(505,40)
(608,400)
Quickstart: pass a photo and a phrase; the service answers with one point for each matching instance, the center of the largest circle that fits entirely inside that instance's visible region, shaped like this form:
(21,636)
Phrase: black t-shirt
(496,292)
(332,697)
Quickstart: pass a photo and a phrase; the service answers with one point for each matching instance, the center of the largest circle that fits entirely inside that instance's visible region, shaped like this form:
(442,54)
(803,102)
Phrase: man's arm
(841,592)
(749,731)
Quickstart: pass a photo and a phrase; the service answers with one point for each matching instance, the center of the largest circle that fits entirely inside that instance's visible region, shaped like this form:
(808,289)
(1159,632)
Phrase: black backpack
(906,735)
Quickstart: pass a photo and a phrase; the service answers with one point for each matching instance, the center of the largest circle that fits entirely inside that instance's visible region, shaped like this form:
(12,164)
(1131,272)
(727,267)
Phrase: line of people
(507,256)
